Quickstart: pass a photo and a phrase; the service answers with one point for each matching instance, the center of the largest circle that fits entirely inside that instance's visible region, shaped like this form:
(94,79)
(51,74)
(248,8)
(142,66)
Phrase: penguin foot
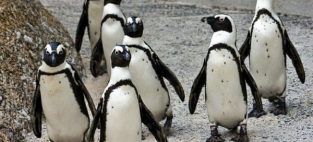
(279,111)
(240,138)
(215,139)
(168,125)
(215,136)
(256,113)
(280,106)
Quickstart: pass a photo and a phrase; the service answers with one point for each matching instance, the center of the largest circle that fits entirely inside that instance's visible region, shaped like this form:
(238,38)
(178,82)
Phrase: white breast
(95,11)
(111,35)
(267,61)
(65,121)
(225,100)
(123,121)
(146,81)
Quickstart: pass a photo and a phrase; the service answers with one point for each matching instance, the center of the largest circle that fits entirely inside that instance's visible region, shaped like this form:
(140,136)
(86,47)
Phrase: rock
(25,28)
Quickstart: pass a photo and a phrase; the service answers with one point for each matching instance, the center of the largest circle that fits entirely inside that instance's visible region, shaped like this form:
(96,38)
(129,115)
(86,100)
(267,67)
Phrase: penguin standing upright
(60,95)
(224,77)
(148,71)
(266,45)
(121,109)
(91,18)
(112,34)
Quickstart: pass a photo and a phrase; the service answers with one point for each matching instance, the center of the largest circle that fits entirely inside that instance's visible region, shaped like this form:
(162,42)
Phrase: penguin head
(120,56)
(133,27)
(54,54)
(220,22)
(117,2)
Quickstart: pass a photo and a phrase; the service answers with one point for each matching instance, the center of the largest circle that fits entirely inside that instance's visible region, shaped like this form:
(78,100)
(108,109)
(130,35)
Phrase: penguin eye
(116,52)
(61,52)
(47,52)
(221,20)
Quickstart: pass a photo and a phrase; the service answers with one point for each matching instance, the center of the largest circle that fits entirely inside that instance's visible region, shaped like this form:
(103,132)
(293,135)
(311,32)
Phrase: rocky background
(25,28)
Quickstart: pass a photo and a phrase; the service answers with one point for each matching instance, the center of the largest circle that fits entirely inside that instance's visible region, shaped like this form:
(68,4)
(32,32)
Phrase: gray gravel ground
(175,32)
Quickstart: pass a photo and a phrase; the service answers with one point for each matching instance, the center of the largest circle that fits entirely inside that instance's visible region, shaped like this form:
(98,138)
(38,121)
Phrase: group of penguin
(136,92)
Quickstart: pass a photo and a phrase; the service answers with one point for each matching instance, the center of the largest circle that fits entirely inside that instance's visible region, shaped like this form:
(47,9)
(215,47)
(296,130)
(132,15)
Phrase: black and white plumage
(60,96)
(91,19)
(267,45)
(224,78)
(148,71)
(113,20)
(121,109)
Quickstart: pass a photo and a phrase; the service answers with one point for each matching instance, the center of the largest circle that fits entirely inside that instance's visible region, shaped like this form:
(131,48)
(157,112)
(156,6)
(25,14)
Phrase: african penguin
(224,77)
(91,18)
(148,71)
(267,44)
(121,109)
(60,95)
(112,34)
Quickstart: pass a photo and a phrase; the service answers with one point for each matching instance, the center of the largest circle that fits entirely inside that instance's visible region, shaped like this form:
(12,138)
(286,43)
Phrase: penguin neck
(132,40)
(119,73)
(223,37)
(266,4)
(46,68)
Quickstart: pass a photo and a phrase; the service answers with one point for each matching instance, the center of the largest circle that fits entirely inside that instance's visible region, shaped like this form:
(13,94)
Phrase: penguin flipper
(170,76)
(96,58)
(148,119)
(294,56)
(37,111)
(85,92)
(254,88)
(82,24)
(196,88)
(95,122)
(245,48)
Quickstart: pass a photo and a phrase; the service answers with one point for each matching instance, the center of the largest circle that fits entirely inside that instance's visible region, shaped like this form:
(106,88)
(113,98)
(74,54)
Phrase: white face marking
(118,49)
(138,20)
(48,49)
(129,20)
(60,49)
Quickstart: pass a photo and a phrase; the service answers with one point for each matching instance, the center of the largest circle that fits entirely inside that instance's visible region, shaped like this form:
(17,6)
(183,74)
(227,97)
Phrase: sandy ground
(175,32)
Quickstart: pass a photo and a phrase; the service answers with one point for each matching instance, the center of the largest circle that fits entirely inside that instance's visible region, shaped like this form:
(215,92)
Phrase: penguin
(224,77)
(267,45)
(148,71)
(91,18)
(121,110)
(60,95)
(112,33)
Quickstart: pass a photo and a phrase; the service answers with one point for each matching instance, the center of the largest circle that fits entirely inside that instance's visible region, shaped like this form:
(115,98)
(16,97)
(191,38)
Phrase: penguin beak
(53,58)
(210,20)
(134,27)
(127,56)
